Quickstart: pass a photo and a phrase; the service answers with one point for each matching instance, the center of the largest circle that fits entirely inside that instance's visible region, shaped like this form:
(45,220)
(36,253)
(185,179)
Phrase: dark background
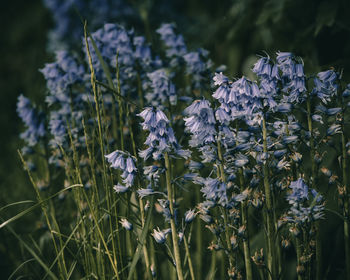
(233,31)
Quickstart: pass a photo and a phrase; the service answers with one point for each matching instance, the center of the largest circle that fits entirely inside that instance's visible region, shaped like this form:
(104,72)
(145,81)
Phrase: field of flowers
(149,159)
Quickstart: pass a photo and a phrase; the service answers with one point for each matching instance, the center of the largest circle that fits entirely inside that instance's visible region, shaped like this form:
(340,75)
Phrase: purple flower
(33,120)
(161,136)
(200,123)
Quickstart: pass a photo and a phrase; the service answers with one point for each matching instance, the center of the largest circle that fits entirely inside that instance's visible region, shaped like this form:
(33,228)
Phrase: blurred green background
(233,31)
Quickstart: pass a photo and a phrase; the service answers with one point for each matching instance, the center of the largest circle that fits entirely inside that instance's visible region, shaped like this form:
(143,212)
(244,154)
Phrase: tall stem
(190,266)
(244,210)
(271,256)
(172,220)
(224,211)
(313,184)
(346,210)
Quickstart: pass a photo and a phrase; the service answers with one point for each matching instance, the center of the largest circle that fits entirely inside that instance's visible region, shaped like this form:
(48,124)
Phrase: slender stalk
(190,266)
(313,184)
(100,133)
(227,230)
(172,220)
(120,104)
(299,253)
(199,242)
(244,210)
(212,270)
(271,255)
(346,210)
(61,264)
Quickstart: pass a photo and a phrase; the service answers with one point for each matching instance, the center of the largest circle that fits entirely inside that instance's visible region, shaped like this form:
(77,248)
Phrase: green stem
(299,254)
(190,266)
(346,201)
(313,184)
(271,256)
(172,220)
(244,210)
(224,211)
(120,105)
(96,93)
(199,242)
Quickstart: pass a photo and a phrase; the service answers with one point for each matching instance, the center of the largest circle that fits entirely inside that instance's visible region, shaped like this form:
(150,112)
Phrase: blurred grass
(23,27)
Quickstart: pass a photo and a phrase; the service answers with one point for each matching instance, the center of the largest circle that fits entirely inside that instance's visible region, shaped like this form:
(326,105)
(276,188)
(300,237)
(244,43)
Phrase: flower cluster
(33,120)
(305,208)
(161,136)
(200,123)
(162,90)
(175,43)
(126,163)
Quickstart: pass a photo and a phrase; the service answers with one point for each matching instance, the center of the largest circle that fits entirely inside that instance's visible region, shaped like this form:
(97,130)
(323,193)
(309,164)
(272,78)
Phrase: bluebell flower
(200,123)
(120,188)
(175,43)
(293,77)
(197,65)
(190,215)
(325,85)
(61,75)
(299,191)
(162,90)
(58,131)
(126,224)
(142,50)
(145,192)
(305,208)
(124,162)
(161,136)
(160,235)
(334,129)
(33,120)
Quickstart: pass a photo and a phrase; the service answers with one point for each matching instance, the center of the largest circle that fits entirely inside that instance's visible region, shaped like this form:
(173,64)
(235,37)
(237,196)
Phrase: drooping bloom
(293,77)
(126,224)
(325,85)
(160,235)
(161,136)
(200,123)
(125,163)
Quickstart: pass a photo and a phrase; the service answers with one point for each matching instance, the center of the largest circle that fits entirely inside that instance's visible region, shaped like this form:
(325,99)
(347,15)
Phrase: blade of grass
(21,214)
(19,267)
(16,203)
